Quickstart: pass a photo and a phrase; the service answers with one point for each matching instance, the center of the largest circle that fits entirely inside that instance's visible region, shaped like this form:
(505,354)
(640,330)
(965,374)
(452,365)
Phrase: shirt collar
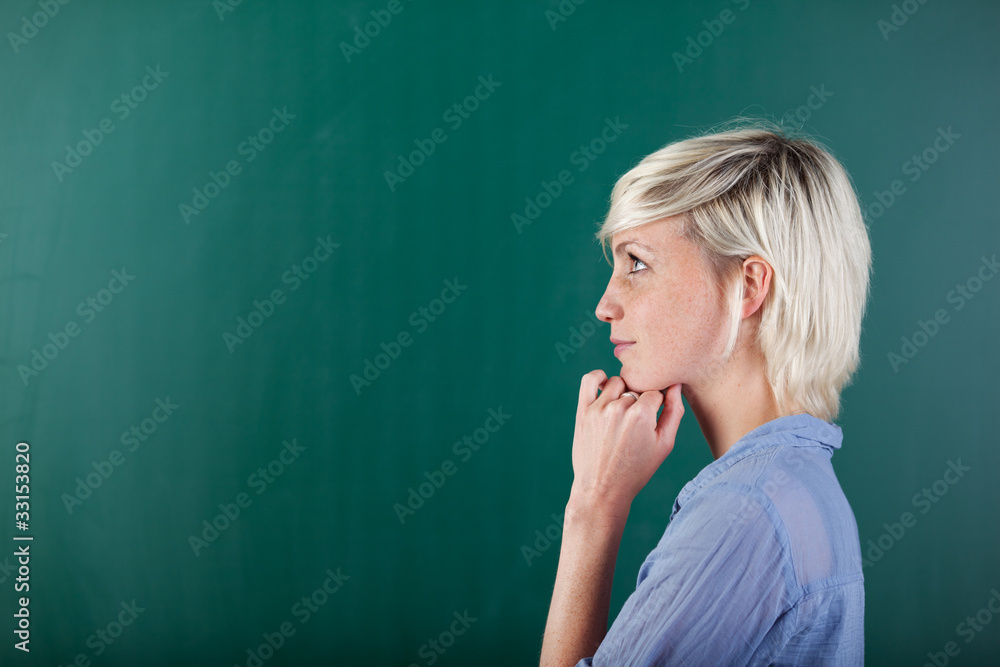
(800,430)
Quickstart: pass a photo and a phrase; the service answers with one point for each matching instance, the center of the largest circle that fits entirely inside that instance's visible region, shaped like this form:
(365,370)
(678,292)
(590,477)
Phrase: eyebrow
(621,245)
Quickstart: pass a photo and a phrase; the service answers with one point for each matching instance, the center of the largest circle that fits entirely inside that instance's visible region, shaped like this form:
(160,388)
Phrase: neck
(731,401)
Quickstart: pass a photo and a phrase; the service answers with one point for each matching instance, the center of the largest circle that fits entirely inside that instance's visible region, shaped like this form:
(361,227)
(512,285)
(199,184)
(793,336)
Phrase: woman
(741,264)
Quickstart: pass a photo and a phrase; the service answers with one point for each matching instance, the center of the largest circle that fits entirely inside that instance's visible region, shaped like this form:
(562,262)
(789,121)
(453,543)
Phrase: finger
(670,418)
(589,384)
(612,389)
(649,402)
(651,399)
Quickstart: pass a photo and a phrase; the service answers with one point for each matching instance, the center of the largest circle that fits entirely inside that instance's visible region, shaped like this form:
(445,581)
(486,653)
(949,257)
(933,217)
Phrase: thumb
(670,418)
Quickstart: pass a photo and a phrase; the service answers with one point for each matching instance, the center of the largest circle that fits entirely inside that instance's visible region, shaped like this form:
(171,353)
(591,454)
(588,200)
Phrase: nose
(608,308)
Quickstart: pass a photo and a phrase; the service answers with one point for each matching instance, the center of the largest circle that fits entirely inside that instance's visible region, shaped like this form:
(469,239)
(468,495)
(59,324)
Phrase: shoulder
(728,527)
(788,497)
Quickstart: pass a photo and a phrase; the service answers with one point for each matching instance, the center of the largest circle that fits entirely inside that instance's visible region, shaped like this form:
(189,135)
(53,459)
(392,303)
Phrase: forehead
(658,238)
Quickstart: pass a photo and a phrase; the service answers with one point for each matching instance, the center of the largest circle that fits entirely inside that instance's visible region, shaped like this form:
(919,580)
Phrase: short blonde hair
(753,190)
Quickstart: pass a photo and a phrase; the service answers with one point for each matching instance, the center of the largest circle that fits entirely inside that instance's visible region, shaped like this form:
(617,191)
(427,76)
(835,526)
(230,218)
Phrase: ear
(757,275)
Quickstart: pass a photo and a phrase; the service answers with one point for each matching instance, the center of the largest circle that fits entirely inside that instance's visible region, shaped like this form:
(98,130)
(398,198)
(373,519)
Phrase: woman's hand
(618,443)
(617,446)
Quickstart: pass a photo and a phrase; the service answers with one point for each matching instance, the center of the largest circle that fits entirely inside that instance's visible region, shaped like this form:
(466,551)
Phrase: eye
(634,261)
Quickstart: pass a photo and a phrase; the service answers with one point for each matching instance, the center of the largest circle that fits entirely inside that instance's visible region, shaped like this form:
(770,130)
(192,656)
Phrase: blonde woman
(740,279)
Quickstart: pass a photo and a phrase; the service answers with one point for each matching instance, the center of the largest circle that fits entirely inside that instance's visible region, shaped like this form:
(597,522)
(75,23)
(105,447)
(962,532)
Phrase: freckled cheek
(685,324)
(668,321)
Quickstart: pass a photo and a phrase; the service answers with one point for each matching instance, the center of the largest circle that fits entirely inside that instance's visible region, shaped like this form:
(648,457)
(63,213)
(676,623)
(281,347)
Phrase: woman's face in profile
(661,300)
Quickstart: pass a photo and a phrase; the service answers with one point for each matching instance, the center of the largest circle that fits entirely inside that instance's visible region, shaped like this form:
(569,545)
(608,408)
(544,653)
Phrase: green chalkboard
(295,299)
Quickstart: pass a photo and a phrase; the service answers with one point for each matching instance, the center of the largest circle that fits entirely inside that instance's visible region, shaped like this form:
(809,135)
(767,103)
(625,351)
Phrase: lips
(621,345)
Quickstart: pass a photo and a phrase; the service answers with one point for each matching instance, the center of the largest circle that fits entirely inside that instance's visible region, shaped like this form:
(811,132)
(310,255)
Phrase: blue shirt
(759,565)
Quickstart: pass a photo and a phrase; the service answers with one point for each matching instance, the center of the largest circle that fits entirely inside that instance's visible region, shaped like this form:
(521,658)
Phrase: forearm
(581,598)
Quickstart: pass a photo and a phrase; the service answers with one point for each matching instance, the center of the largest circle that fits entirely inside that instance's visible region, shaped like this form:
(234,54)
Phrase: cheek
(709,320)
(685,328)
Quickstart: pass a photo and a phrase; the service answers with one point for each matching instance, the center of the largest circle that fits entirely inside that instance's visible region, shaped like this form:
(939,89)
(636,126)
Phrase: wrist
(585,508)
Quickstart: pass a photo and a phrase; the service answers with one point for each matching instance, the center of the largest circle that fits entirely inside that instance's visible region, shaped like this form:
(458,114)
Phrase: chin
(638,382)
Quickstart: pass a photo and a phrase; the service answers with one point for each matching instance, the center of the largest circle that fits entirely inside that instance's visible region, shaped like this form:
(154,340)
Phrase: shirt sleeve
(713,591)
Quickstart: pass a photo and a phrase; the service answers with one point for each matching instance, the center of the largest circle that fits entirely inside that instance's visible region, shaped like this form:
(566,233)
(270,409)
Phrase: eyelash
(635,259)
